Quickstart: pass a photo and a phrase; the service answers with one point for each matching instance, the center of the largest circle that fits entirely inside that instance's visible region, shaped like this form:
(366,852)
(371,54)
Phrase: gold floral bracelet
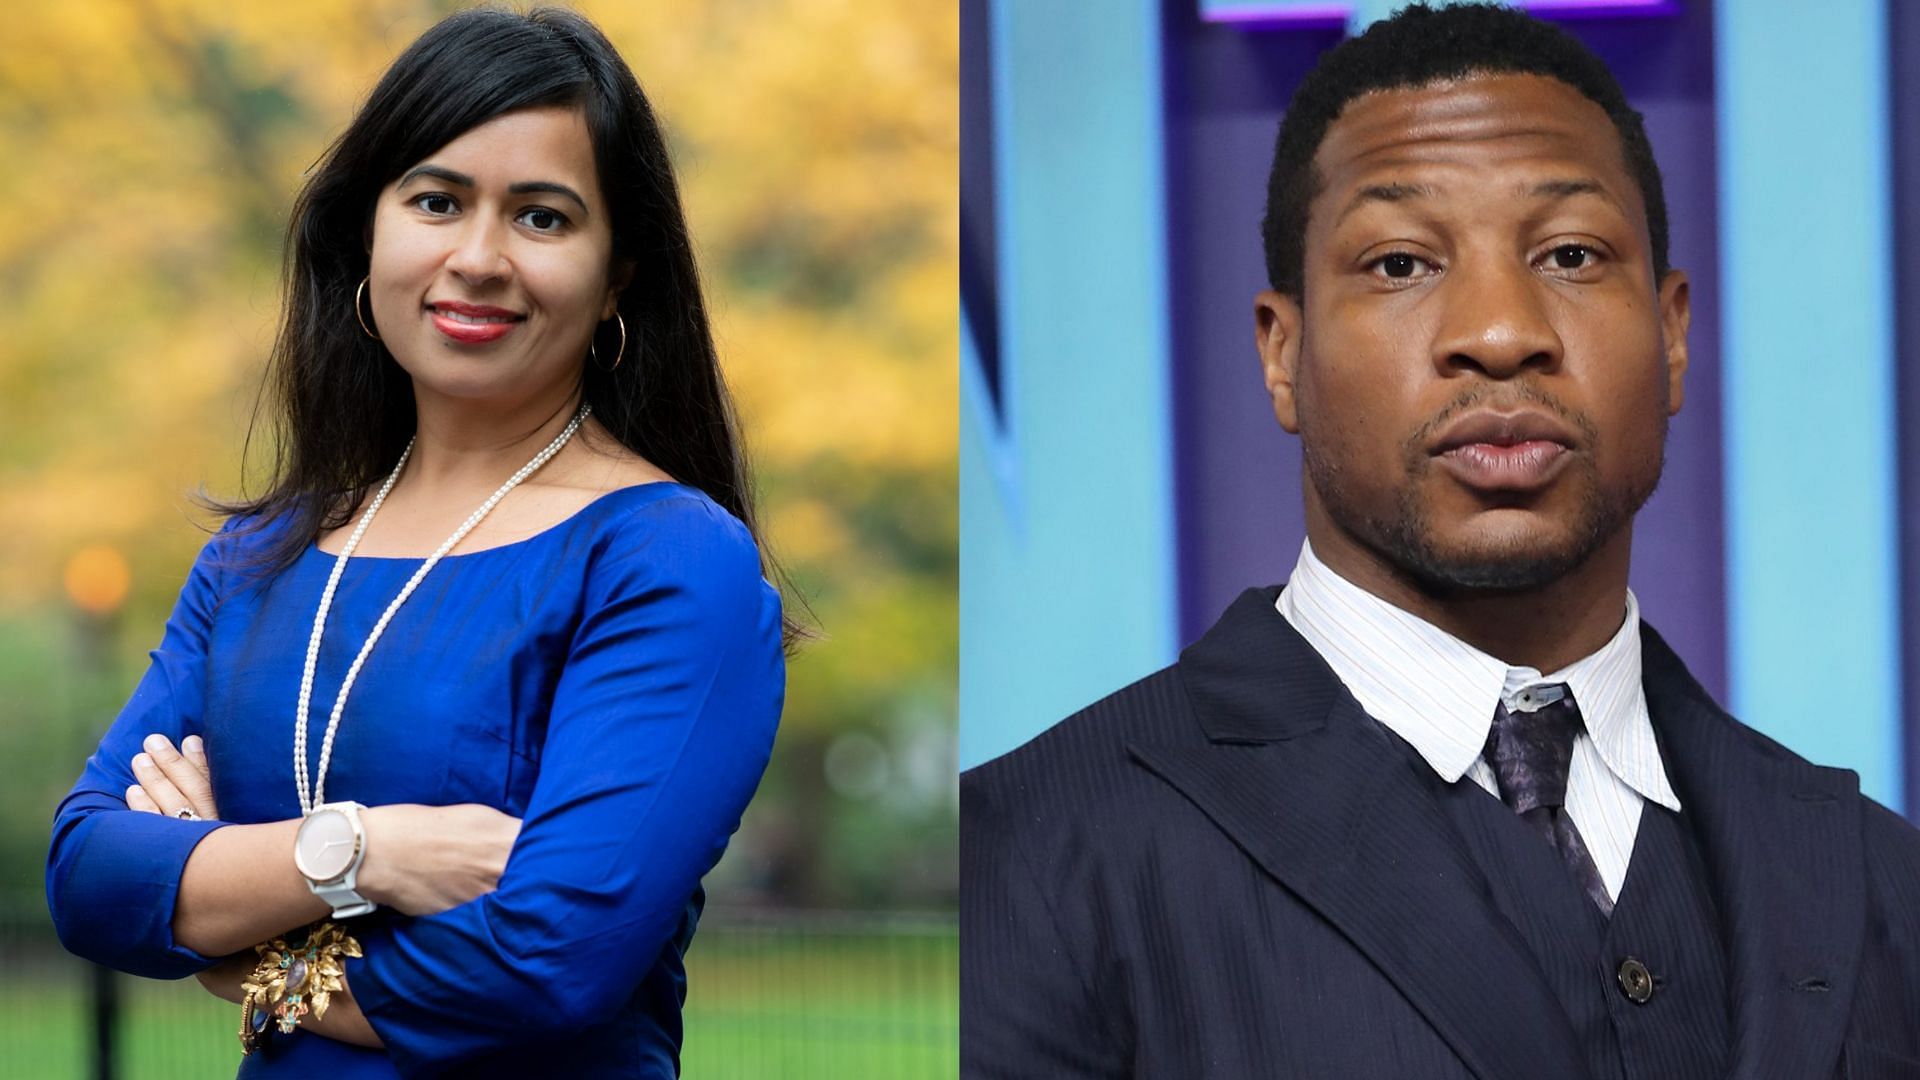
(291,981)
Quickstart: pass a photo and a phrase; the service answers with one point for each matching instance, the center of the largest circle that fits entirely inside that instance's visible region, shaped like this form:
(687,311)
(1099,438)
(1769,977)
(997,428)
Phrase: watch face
(325,845)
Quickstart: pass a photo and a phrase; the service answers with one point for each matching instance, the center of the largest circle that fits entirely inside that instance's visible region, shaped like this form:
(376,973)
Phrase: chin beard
(1405,542)
(1404,537)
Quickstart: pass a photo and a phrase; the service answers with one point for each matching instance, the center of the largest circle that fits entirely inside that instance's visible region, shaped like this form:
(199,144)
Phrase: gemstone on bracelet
(260,1018)
(297,975)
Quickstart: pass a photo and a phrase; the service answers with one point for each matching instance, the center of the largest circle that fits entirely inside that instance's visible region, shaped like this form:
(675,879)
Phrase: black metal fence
(771,994)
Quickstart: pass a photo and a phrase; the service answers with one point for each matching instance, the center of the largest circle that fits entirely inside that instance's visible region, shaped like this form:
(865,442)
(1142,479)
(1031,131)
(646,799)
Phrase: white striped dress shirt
(1439,694)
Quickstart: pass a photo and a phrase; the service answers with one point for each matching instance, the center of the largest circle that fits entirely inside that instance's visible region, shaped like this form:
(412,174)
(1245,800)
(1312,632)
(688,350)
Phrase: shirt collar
(1439,693)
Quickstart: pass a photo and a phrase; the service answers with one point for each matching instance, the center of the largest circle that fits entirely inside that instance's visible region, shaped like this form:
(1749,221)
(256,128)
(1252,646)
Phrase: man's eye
(1401,266)
(1572,257)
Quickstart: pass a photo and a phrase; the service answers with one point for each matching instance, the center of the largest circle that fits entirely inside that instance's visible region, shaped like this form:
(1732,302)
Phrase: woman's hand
(223,979)
(172,780)
(425,859)
(343,1022)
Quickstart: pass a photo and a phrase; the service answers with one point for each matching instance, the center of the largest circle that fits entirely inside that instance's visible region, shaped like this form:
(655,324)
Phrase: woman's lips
(473,330)
(1521,466)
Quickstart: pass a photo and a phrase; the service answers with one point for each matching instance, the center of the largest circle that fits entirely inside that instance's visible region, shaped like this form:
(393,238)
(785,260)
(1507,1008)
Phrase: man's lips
(1511,452)
(1520,467)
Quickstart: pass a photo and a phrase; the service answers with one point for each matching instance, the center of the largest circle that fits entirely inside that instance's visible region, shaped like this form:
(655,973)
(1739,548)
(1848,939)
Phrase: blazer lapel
(1782,839)
(1316,793)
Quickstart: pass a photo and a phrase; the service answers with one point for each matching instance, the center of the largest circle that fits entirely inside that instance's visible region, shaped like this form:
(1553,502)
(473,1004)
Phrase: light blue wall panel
(1806,264)
(1066,495)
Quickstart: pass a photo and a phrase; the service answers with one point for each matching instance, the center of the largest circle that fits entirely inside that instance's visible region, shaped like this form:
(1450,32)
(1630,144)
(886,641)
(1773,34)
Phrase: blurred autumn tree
(152,150)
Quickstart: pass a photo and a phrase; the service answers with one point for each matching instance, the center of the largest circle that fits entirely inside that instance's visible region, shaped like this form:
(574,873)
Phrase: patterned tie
(1530,752)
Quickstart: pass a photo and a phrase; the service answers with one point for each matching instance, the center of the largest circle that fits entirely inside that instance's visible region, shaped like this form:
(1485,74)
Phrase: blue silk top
(613,681)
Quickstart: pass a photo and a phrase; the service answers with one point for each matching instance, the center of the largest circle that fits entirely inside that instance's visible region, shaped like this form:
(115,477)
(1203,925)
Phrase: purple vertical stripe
(979,257)
(1903,77)
(1679,557)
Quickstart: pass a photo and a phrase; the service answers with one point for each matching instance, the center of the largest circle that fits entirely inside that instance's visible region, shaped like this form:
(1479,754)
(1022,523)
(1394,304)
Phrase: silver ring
(186,813)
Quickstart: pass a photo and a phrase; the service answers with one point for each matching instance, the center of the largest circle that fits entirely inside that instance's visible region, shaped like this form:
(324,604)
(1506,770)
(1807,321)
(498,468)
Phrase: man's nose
(1495,320)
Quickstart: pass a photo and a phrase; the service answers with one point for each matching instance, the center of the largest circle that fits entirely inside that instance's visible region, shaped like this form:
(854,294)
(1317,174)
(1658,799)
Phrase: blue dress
(613,681)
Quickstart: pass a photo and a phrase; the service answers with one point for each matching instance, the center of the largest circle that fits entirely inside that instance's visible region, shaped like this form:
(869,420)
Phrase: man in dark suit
(1443,806)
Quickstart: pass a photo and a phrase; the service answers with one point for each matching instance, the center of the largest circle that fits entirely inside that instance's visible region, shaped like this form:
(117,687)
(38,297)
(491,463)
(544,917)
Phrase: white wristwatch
(328,851)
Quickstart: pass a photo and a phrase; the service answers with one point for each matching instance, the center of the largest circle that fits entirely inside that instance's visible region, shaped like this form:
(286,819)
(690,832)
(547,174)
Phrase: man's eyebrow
(522,188)
(1389,193)
(1567,188)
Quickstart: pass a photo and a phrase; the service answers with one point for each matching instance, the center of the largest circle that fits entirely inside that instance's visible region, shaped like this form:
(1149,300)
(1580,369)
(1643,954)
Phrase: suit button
(1635,981)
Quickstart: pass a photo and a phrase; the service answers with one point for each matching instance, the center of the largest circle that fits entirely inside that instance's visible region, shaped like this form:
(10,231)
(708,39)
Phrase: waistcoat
(1645,990)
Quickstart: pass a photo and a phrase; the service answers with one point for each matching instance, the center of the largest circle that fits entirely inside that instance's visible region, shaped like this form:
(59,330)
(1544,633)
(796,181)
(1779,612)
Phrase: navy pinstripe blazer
(1224,871)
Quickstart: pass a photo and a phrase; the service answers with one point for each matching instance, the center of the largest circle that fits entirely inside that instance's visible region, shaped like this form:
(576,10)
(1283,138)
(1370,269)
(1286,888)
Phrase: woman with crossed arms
(446,727)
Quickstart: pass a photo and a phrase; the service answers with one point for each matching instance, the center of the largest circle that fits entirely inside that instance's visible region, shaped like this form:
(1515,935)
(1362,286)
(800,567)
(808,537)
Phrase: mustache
(1506,398)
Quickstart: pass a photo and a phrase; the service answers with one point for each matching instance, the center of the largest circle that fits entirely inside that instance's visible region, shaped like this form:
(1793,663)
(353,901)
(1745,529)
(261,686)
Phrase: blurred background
(1119,454)
(152,150)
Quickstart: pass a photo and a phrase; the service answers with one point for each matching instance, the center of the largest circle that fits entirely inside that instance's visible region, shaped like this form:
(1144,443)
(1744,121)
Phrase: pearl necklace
(307,804)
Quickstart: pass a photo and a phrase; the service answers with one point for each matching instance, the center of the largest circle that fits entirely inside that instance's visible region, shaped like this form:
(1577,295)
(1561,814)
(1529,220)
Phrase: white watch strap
(346,903)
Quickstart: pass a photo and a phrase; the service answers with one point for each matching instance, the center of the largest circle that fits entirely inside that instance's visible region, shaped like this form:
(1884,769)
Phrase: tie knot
(1530,751)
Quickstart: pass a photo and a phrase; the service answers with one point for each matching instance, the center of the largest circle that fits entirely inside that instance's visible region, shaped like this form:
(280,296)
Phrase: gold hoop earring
(357,293)
(593,353)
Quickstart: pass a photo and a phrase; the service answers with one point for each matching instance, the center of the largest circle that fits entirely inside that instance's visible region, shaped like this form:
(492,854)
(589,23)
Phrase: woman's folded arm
(113,874)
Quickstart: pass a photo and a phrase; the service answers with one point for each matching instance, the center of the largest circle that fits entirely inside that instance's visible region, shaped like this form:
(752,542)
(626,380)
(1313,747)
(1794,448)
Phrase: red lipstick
(473,324)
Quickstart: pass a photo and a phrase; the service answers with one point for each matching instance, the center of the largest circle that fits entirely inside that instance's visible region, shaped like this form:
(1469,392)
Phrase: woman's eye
(542,219)
(434,203)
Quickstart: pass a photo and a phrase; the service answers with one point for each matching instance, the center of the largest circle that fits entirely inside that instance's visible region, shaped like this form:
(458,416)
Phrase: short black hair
(1419,46)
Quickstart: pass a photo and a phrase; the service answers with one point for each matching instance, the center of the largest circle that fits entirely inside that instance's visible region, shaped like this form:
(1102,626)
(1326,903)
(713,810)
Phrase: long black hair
(346,408)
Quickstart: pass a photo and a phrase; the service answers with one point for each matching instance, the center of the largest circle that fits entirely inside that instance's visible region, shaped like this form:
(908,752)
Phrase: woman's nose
(480,254)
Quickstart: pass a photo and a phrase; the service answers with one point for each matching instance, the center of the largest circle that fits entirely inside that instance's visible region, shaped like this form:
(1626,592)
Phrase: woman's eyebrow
(524,187)
(549,186)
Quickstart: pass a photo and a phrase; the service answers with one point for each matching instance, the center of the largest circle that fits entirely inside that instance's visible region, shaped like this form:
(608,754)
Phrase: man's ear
(1676,314)
(1276,334)
(617,282)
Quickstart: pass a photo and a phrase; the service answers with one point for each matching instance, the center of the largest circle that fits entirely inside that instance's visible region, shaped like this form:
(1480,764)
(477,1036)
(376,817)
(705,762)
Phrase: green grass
(760,1005)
